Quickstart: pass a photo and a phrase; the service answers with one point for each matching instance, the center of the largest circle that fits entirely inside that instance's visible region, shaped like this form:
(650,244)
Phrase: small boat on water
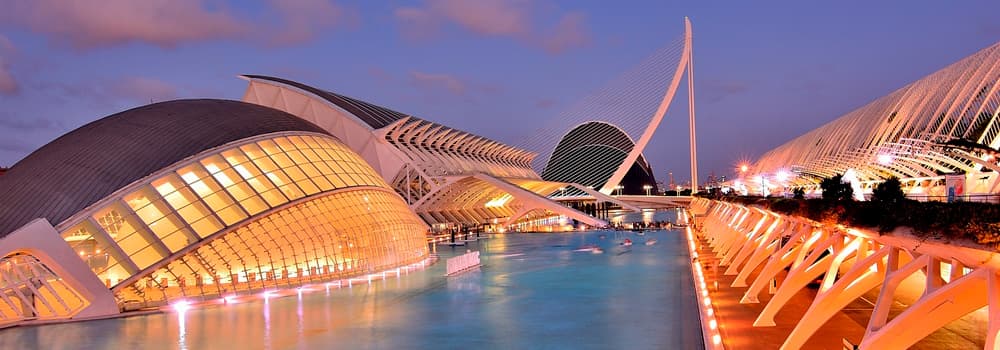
(650,241)
(627,242)
(588,248)
(597,250)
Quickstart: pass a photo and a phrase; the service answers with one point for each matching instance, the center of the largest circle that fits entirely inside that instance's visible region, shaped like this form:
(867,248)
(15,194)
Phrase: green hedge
(979,222)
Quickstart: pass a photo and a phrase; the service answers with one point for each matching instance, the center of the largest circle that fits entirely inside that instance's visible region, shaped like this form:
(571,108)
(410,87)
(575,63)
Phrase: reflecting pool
(533,291)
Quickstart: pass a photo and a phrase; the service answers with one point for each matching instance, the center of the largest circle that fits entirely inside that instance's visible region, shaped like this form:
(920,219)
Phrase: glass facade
(192,231)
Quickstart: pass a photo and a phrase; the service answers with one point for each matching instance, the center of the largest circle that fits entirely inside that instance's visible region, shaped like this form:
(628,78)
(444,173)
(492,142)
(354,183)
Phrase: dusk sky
(765,73)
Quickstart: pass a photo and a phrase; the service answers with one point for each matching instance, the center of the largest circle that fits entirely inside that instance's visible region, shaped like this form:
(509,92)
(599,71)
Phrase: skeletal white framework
(447,176)
(942,282)
(944,123)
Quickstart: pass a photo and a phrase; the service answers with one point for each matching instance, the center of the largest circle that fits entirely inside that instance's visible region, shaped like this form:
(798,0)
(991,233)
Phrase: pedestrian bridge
(634,202)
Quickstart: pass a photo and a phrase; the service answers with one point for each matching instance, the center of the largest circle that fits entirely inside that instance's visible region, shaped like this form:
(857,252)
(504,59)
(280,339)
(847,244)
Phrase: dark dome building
(589,155)
(191,200)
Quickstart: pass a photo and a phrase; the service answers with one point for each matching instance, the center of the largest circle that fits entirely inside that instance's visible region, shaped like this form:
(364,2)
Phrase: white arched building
(940,131)
(448,176)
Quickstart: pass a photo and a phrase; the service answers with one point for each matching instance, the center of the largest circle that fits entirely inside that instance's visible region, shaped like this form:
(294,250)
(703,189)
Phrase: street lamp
(647,188)
(619,188)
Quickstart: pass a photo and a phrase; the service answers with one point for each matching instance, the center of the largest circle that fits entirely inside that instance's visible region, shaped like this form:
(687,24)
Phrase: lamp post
(647,188)
(619,188)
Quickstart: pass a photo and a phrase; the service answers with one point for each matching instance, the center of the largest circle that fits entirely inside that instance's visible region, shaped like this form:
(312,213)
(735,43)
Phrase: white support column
(811,267)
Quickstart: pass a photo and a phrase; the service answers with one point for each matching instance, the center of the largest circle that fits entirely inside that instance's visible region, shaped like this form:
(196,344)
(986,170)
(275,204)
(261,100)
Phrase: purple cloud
(497,18)
(83,24)
(438,81)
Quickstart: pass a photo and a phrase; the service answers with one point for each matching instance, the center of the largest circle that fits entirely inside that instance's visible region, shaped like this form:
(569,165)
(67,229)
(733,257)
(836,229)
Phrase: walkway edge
(706,310)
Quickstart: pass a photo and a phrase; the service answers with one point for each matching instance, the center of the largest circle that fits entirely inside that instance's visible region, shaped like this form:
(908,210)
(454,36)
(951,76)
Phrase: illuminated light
(499,201)
(884,159)
(712,324)
(212,168)
(243,172)
(267,294)
(229,299)
(744,168)
(716,339)
(81,253)
(181,306)
(704,293)
(189,177)
(782,175)
(707,301)
(710,311)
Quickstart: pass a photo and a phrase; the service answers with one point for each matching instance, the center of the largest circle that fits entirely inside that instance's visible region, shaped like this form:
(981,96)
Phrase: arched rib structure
(944,123)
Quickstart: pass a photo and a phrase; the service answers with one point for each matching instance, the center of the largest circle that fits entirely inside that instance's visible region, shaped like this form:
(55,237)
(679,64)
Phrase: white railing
(463,262)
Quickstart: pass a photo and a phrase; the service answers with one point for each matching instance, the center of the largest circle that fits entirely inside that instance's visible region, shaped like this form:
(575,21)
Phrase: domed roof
(89,163)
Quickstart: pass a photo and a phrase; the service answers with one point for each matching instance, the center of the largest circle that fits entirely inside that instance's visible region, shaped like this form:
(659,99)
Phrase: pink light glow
(181,306)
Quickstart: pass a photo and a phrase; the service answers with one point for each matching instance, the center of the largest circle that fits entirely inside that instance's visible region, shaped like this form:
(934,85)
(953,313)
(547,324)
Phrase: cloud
(487,17)
(14,146)
(112,93)
(545,103)
(438,81)
(717,90)
(8,86)
(379,74)
(497,18)
(6,46)
(302,19)
(20,125)
(569,33)
(140,89)
(84,24)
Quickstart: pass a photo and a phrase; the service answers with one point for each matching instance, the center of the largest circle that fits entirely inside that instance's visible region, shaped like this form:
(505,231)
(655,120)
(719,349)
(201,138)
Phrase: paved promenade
(736,320)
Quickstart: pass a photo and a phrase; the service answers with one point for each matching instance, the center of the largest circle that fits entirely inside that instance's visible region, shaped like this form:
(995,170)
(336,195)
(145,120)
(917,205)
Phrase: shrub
(834,189)
(889,192)
(799,193)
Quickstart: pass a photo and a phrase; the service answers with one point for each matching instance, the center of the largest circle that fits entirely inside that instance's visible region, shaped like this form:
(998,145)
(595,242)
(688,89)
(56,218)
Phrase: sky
(765,72)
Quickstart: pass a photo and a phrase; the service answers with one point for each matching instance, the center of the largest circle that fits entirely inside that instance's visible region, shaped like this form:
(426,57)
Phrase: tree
(834,189)
(799,193)
(889,192)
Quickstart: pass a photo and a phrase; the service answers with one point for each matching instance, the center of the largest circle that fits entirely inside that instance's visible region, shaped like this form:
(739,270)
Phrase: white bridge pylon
(956,280)
(686,64)
(633,104)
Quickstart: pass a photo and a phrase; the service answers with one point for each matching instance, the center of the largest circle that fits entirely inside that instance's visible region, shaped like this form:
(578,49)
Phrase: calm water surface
(532,292)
